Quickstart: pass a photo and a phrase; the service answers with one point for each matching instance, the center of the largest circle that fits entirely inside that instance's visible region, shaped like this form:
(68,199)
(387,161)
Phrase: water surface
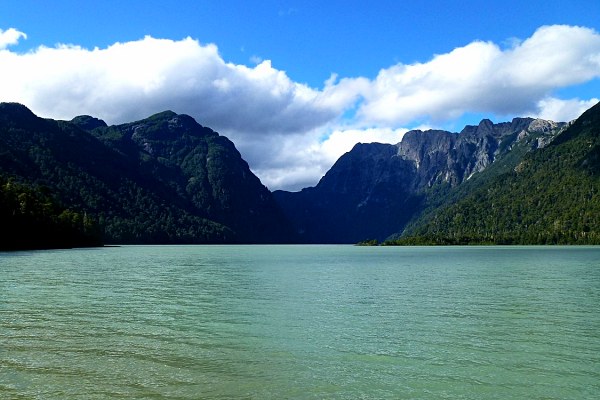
(301,322)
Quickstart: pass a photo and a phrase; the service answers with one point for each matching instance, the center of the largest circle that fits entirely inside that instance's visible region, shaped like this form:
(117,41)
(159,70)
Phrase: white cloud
(555,56)
(342,141)
(291,133)
(481,77)
(293,162)
(563,110)
(132,80)
(441,89)
(10,37)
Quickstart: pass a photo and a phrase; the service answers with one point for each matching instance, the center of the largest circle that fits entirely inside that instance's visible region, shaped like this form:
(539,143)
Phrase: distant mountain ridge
(374,190)
(441,156)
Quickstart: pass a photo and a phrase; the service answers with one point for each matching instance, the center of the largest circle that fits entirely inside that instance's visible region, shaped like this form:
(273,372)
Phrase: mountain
(164,179)
(376,189)
(367,193)
(552,196)
(167,179)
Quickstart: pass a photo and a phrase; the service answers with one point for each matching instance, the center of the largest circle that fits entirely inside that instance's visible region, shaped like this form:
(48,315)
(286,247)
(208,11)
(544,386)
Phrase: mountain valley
(167,179)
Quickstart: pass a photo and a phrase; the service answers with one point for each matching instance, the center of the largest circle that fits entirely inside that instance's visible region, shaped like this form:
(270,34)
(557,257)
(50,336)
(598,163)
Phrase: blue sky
(307,39)
(256,71)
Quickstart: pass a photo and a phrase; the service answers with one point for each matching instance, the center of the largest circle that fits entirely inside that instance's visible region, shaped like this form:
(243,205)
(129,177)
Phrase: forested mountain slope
(165,179)
(551,197)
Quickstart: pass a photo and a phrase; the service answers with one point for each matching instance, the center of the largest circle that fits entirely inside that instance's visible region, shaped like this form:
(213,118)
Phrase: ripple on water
(303,322)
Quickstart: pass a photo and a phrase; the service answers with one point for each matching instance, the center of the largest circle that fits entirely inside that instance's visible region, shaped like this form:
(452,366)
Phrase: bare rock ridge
(441,156)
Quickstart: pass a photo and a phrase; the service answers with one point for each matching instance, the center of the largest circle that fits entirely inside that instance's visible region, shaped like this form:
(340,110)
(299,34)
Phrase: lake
(300,322)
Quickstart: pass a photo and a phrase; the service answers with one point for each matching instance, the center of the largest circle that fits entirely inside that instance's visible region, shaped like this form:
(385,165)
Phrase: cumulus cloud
(482,77)
(10,37)
(132,80)
(289,132)
(297,161)
(563,110)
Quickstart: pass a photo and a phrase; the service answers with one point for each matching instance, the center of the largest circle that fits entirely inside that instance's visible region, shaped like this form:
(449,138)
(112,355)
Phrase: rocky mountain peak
(485,127)
(15,109)
(544,126)
(88,123)
(417,145)
(167,126)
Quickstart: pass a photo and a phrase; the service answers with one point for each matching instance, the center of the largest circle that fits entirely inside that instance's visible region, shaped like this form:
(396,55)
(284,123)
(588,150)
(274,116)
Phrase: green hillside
(165,179)
(551,197)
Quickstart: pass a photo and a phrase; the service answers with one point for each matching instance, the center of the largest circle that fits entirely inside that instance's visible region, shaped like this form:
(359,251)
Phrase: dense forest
(31,219)
(165,179)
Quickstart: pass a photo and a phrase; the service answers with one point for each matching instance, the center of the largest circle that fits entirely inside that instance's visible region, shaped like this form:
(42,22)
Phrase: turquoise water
(300,322)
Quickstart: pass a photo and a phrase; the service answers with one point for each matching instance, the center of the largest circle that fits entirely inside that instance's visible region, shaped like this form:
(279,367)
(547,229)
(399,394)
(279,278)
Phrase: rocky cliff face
(441,156)
(375,189)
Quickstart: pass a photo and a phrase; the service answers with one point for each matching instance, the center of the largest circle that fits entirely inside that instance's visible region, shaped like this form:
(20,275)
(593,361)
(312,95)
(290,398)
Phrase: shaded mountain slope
(365,194)
(165,179)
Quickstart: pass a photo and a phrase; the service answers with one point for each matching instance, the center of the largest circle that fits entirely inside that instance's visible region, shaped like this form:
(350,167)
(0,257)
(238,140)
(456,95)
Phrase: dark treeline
(31,219)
